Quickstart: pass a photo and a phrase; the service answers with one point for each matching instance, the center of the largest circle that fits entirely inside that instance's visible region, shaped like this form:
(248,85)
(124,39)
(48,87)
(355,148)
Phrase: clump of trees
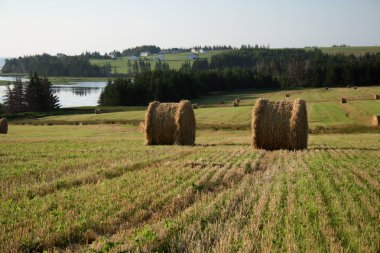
(167,85)
(37,95)
(48,65)
(137,50)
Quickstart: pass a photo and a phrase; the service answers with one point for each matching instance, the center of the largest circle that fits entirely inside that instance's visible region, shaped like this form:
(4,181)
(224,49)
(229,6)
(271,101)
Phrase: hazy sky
(73,26)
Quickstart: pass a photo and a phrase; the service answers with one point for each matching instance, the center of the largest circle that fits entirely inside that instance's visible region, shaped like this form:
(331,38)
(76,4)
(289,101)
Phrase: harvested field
(91,191)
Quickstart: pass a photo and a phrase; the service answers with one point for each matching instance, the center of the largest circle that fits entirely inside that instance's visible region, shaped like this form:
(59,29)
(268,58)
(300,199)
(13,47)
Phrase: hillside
(175,61)
(357,51)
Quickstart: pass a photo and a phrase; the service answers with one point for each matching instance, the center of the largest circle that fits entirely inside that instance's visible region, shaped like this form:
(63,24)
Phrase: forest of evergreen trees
(304,68)
(167,85)
(48,65)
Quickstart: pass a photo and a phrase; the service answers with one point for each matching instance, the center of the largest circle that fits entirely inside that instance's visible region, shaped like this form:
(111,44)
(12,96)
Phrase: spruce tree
(39,94)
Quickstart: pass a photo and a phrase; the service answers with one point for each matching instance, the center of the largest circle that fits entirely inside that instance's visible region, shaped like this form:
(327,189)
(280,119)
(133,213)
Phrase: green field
(324,109)
(175,61)
(99,189)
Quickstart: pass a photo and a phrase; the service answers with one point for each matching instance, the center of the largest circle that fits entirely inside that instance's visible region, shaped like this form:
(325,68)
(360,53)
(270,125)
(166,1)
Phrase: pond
(70,95)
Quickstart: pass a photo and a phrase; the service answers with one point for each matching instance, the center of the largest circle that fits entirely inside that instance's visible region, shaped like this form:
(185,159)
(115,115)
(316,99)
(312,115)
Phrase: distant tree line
(167,85)
(137,50)
(36,96)
(96,55)
(48,65)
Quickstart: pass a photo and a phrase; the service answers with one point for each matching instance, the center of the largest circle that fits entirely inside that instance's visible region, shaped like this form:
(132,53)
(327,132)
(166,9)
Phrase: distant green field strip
(224,115)
(362,111)
(327,113)
(175,61)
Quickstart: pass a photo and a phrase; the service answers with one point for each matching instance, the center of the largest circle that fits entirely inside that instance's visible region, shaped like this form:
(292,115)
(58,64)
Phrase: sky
(72,26)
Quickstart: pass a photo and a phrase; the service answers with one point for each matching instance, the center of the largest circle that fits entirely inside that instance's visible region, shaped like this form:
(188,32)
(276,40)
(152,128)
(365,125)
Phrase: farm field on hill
(357,51)
(98,188)
(324,109)
(175,61)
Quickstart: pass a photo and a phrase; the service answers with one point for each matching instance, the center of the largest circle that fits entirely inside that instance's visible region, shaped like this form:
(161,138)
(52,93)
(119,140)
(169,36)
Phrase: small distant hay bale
(375,120)
(236,103)
(98,111)
(195,106)
(355,87)
(343,100)
(3,126)
(376,97)
(170,123)
(141,127)
(279,125)
(287,95)
(326,88)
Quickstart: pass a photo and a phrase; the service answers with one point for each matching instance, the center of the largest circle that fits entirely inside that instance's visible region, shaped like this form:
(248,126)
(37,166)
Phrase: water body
(72,95)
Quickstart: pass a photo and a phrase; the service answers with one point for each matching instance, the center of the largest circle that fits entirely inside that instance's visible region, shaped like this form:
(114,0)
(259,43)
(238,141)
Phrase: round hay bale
(195,106)
(343,100)
(376,97)
(287,95)
(141,127)
(98,111)
(279,125)
(3,126)
(326,88)
(236,103)
(375,120)
(170,123)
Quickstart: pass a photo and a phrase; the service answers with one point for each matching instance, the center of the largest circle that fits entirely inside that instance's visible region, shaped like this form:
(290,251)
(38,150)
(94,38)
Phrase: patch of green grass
(68,79)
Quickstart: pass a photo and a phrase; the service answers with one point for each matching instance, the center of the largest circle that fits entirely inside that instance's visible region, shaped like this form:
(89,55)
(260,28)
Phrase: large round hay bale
(343,100)
(170,123)
(376,97)
(375,120)
(3,126)
(279,125)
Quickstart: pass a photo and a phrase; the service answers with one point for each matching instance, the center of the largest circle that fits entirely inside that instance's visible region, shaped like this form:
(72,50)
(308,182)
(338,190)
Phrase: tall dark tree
(39,94)
(15,97)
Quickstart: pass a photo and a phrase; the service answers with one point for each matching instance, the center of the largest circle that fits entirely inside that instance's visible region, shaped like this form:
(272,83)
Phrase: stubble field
(98,188)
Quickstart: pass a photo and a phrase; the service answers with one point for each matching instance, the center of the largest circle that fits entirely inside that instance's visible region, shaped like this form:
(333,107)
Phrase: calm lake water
(70,95)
